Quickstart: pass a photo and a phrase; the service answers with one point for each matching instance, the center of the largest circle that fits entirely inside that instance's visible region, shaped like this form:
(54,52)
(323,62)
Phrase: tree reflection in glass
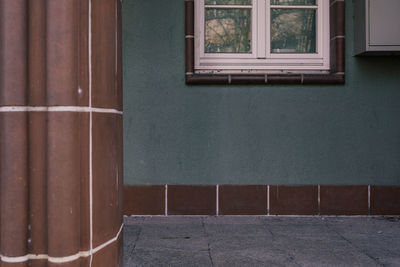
(293,2)
(293,31)
(228,2)
(227,30)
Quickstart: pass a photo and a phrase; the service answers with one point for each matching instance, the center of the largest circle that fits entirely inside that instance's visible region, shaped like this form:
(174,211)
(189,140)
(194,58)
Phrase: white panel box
(377,27)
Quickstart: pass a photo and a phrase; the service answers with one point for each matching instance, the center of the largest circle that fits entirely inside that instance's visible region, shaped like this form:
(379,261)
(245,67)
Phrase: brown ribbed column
(60,150)
(63,198)
(13,131)
(107,128)
(38,129)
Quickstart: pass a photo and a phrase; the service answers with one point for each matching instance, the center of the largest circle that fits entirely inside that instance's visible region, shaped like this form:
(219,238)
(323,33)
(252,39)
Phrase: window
(266,35)
(254,40)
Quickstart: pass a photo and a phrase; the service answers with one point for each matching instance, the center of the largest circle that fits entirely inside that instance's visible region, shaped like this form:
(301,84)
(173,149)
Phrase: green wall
(180,134)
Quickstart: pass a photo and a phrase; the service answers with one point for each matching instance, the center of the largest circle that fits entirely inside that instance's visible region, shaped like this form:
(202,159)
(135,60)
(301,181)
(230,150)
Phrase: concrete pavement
(261,241)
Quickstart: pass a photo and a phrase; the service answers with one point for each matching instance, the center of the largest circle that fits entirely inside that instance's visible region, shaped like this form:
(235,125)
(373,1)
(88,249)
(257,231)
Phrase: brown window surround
(336,74)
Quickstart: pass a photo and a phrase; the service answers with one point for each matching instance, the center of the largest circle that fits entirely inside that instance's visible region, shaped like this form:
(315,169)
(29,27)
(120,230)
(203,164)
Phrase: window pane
(293,31)
(228,2)
(227,31)
(293,2)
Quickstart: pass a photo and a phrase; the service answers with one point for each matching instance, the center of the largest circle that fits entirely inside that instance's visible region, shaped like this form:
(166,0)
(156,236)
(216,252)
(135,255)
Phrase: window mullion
(267,10)
(261,28)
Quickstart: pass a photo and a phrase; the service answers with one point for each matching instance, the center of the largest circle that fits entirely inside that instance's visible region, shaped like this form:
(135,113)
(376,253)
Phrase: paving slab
(261,241)
(168,257)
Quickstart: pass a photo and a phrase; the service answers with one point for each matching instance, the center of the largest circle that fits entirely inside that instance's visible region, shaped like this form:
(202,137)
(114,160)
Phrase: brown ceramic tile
(105,93)
(191,200)
(284,79)
(38,182)
(189,17)
(337,19)
(83,53)
(13,53)
(340,55)
(337,55)
(38,263)
(344,200)
(84,182)
(189,44)
(385,200)
(332,21)
(248,79)
(242,200)
(14,264)
(84,262)
(337,31)
(333,78)
(14,184)
(38,169)
(66,80)
(62,53)
(66,168)
(206,79)
(144,200)
(189,31)
(119,81)
(107,176)
(37,53)
(109,256)
(293,200)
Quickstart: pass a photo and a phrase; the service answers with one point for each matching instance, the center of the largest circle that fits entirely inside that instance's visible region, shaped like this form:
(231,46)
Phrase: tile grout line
(91,131)
(166,200)
(70,258)
(217,200)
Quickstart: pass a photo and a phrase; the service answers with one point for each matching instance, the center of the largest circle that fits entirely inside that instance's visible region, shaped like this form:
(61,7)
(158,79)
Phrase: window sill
(201,79)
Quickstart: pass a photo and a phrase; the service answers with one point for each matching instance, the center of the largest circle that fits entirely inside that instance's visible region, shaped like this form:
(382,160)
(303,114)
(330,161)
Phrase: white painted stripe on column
(81,254)
(15,259)
(58,109)
(115,238)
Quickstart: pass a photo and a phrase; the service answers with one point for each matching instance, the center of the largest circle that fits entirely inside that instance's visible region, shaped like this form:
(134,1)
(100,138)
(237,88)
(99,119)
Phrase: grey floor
(262,241)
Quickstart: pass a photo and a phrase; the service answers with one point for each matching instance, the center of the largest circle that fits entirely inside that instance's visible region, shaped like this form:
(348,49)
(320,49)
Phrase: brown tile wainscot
(345,200)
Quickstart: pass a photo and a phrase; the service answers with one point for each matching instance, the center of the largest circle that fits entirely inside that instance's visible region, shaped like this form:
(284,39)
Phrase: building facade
(193,143)
(283,147)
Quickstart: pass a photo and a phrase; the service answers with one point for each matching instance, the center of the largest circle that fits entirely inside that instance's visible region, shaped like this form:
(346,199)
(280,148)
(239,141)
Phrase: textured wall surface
(180,134)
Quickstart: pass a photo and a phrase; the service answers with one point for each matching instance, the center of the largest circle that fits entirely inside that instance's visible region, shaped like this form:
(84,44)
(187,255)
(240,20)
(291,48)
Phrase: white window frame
(261,59)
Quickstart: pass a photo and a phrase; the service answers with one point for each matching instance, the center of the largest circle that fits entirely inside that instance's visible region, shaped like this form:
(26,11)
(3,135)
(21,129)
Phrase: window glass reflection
(228,2)
(293,2)
(227,31)
(293,31)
